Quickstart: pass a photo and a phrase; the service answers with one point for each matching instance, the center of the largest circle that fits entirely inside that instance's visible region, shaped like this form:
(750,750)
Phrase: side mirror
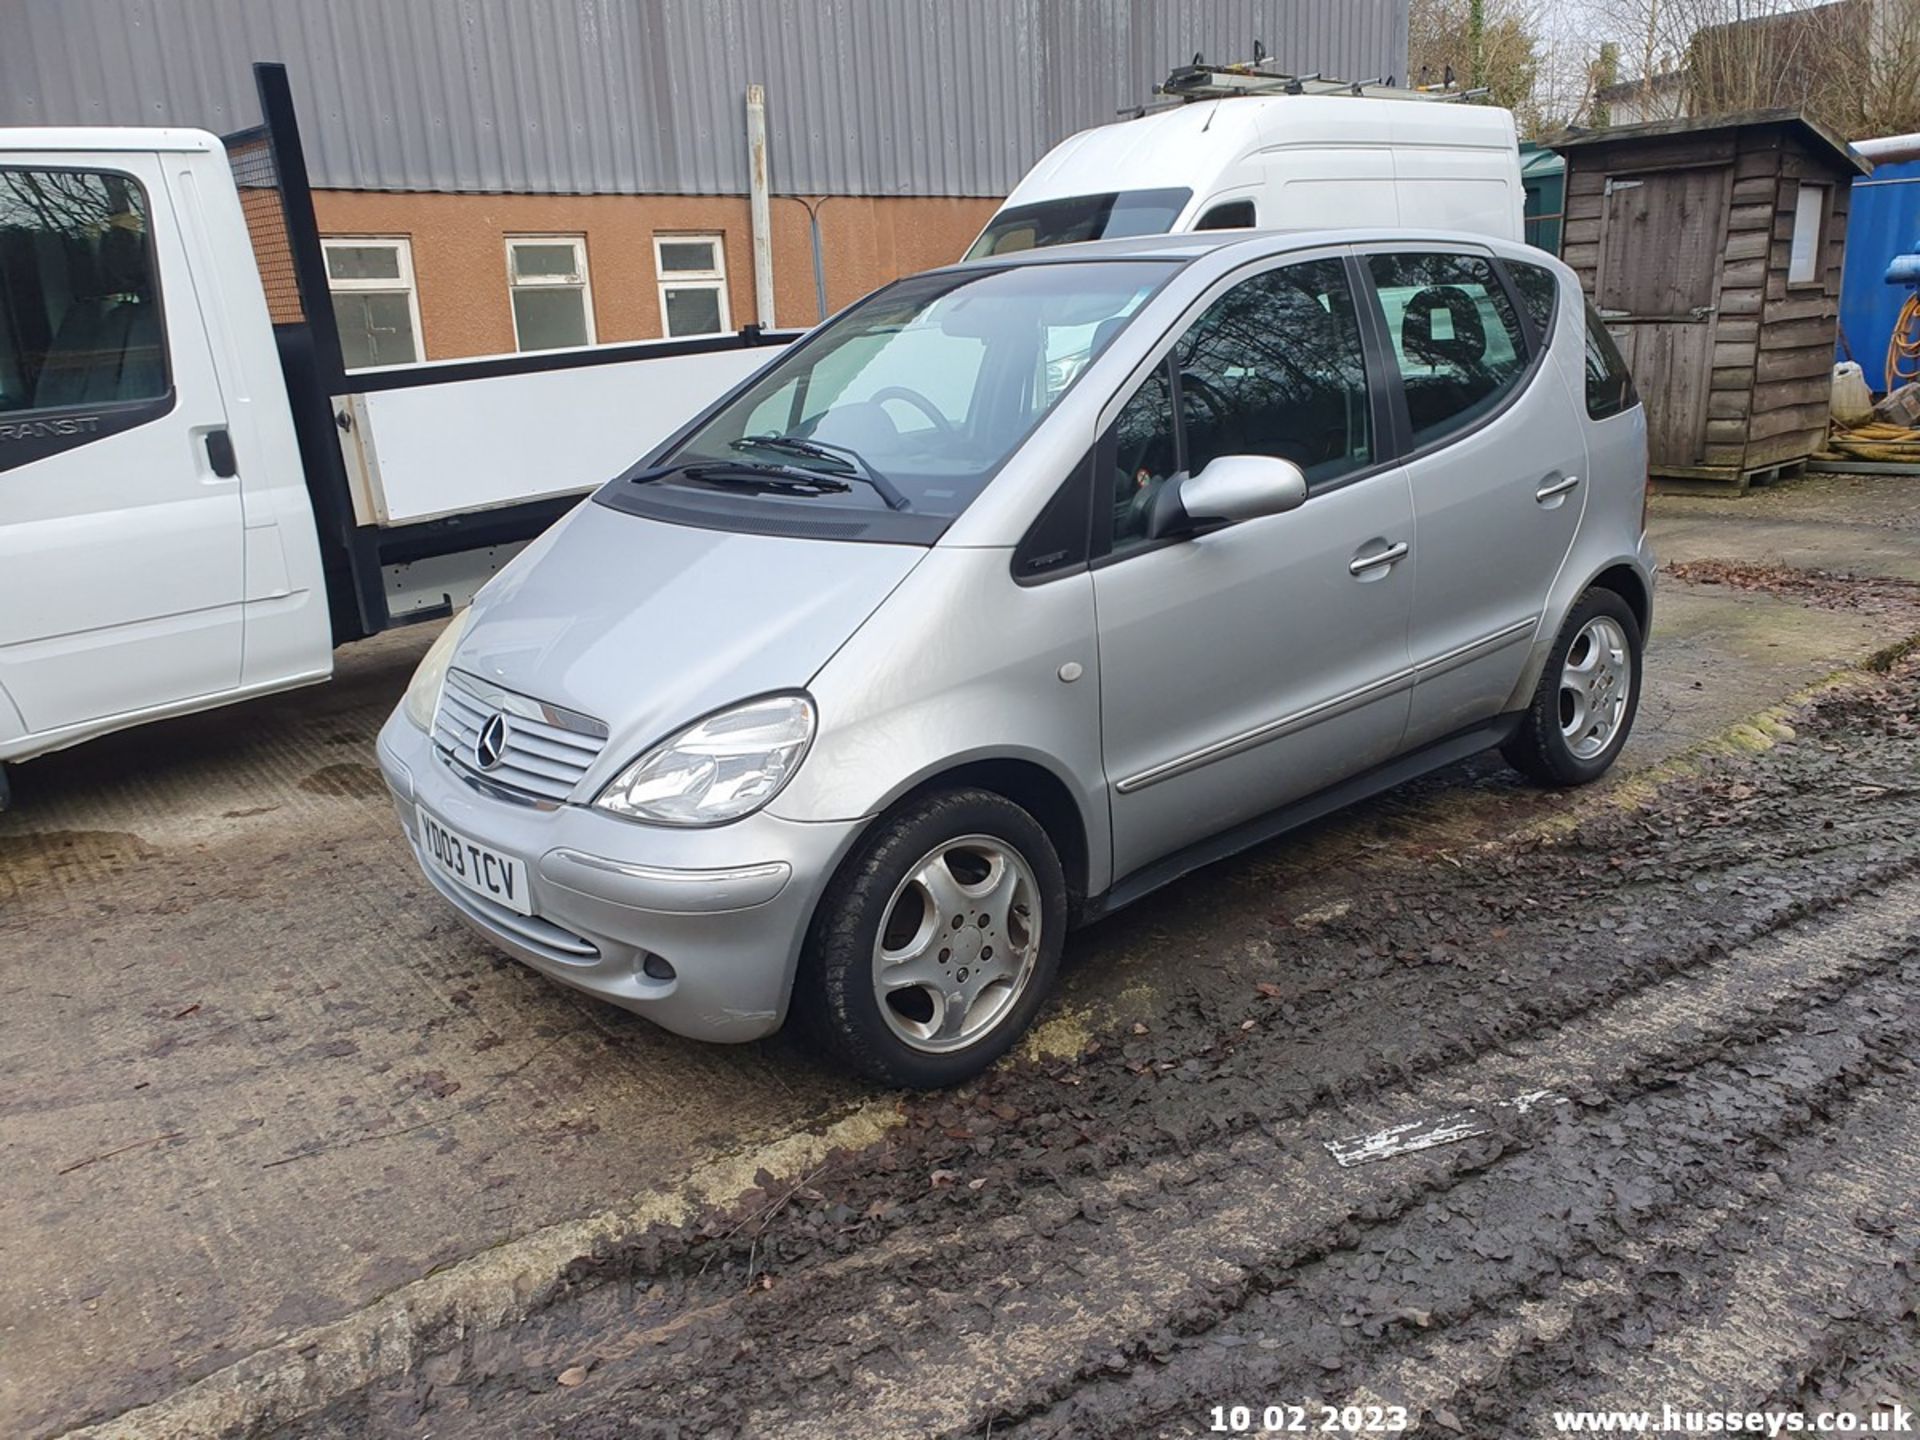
(1232,487)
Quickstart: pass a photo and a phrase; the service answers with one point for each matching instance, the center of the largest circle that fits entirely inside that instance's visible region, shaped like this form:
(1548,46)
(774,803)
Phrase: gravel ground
(1666,1056)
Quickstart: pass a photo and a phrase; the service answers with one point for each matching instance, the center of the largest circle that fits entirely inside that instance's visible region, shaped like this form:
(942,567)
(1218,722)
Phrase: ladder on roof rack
(1201,81)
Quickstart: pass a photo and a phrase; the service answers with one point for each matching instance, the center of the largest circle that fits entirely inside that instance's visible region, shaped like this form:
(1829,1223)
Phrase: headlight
(423,691)
(726,766)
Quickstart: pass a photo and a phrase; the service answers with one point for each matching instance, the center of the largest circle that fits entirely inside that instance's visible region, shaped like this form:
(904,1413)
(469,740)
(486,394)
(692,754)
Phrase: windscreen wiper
(854,463)
(767,477)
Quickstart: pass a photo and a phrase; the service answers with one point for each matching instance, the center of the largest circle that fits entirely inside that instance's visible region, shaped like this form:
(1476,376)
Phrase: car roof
(1190,246)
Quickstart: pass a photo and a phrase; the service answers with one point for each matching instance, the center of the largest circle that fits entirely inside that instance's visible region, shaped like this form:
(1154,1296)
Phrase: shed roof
(1810,132)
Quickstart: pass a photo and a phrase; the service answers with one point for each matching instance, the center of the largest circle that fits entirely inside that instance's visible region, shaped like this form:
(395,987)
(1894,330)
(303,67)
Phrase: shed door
(1660,250)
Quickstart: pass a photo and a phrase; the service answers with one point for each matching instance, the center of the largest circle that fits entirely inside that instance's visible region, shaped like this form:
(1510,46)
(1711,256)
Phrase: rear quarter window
(1609,383)
(1539,296)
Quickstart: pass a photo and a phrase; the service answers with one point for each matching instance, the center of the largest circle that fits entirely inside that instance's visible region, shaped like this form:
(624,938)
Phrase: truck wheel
(1588,695)
(937,942)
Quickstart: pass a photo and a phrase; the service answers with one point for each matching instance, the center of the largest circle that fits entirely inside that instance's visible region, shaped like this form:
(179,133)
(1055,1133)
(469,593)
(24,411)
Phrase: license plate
(468,863)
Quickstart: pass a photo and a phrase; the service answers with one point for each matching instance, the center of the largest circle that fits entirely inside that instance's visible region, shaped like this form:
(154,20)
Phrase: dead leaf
(1270,990)
(572,1375)
(1139,1028)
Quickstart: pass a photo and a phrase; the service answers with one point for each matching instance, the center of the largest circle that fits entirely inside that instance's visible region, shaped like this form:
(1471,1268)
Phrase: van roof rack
(1201,81)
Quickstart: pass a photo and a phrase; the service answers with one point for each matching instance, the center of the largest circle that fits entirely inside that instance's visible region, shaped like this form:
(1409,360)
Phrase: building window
(1809,225)
(552,302)
(374,304)
(693,284)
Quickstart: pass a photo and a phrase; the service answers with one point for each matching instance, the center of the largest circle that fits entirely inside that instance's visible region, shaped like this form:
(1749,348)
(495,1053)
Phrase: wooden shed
(1713,249)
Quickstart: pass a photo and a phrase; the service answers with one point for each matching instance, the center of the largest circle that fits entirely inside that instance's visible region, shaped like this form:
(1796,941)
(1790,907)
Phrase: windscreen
(913,398)
(1084,217)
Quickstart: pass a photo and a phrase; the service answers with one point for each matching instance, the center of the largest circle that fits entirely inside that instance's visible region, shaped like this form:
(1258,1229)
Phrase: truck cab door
(121,534)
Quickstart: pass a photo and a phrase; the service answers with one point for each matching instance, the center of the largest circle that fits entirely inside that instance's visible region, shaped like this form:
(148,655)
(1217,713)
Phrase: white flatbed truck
(196,507)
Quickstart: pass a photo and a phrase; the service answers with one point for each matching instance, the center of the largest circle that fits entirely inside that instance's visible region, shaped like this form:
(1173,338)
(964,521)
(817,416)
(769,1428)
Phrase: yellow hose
(1875,440)
(1903,350)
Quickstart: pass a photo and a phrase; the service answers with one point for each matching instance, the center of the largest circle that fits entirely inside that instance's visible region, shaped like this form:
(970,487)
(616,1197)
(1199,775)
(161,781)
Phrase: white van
(1272,162)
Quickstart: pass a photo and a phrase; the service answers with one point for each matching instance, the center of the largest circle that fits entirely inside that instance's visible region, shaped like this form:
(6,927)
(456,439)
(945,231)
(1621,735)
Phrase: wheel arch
(1630,585)
(1035,788)
(1625,575)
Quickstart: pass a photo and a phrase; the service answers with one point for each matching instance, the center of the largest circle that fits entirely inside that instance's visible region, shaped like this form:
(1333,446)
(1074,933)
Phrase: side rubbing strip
(1271,730)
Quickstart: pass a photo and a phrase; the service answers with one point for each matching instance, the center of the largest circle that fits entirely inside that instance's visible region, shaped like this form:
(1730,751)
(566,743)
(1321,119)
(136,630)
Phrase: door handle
(1360,564)
(1556,487)
(220,454)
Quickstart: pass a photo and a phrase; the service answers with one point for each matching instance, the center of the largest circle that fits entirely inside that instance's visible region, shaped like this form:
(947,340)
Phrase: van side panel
(1458,168)
(1309,187)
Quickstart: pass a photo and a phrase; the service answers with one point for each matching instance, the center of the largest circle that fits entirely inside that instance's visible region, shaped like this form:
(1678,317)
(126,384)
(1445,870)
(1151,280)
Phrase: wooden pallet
(1722,480)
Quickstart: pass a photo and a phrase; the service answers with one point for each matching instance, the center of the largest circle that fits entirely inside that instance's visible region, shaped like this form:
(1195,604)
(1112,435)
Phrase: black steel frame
(312,361)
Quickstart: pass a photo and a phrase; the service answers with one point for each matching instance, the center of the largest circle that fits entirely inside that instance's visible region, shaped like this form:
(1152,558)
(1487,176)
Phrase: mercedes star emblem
(491,747)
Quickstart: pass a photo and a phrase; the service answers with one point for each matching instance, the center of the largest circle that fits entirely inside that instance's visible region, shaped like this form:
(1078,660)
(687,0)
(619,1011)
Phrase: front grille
(543,753)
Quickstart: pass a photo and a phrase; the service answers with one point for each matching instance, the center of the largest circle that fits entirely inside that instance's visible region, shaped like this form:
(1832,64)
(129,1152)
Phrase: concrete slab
(1848,524)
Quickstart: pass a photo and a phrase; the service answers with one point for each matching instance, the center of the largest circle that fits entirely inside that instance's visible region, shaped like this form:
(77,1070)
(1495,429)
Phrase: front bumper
(726,908)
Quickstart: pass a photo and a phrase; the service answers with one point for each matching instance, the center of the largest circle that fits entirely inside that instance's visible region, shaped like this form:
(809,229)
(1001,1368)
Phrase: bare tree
(1491,43)
(1854,65)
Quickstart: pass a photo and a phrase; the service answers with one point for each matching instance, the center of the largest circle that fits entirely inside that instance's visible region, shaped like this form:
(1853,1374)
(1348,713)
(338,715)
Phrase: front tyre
(937,941)
(1588,695)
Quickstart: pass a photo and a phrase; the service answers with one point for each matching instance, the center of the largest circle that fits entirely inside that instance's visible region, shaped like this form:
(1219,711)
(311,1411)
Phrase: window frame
(1816,252)
(714,279)
(1404,451)
(39,432)
(406,280)
(1380,366)
(584,284)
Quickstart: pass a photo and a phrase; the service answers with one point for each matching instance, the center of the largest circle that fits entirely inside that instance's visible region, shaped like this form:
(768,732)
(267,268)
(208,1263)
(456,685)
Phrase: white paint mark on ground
(1448,1129)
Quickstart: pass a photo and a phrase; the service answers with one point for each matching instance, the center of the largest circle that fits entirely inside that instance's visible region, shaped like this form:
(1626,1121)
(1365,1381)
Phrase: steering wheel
(916,400)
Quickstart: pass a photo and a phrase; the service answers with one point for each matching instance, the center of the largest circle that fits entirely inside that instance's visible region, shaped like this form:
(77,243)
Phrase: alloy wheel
(958,944)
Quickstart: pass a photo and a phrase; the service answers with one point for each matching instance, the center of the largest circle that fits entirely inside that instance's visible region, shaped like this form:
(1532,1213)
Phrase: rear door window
(1456,338)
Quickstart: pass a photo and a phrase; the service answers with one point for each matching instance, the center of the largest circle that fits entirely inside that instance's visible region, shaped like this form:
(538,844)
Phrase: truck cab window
(79,297)
(1228,215)
(1082,217)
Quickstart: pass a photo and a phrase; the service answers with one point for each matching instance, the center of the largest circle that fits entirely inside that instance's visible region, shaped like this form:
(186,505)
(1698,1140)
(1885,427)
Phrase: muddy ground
(1679,1040)
(285,1150)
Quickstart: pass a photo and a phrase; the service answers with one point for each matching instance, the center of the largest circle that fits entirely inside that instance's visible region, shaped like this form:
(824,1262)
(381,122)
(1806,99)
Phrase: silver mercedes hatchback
(1015,591)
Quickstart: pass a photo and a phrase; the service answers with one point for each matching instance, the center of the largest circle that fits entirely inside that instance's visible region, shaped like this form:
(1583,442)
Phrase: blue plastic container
(1883,225)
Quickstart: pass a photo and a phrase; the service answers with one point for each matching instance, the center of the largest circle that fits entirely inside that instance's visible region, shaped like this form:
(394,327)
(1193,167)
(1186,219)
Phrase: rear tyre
(937,942)
(1588,694)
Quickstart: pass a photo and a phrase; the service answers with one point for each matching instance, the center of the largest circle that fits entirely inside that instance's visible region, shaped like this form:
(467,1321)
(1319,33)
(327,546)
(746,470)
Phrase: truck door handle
(220,454)
(1555,487)
(1360,564)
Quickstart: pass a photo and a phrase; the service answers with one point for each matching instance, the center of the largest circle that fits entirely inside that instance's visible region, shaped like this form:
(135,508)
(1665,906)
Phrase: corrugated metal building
(617,122)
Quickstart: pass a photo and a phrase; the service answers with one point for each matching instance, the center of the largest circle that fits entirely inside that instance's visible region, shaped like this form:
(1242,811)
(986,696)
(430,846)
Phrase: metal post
(761,206)
(303,230)
(819,263)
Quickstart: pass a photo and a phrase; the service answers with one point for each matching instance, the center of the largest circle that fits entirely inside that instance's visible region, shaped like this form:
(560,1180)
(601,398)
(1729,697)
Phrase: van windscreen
(1082,217)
